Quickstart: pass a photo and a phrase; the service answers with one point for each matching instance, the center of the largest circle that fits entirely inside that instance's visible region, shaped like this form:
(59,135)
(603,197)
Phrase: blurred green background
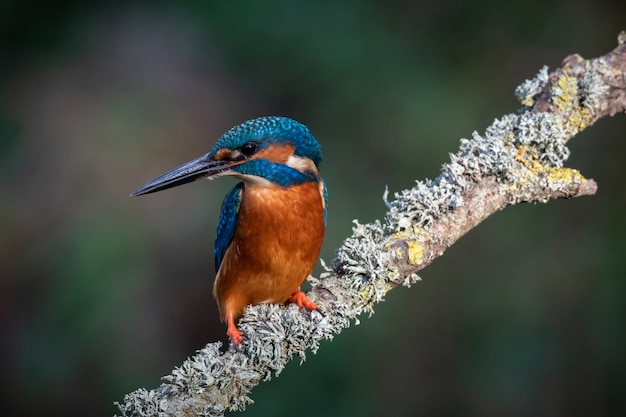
(102,294)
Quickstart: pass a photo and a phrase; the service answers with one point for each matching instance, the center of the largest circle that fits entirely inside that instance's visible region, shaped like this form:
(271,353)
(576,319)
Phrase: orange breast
(274,248)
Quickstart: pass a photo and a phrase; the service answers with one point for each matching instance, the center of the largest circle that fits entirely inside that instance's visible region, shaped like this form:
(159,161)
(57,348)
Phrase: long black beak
(202,167)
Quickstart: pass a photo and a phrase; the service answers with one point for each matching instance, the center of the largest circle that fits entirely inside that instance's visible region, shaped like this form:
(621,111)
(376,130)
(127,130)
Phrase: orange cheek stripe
(223,154)
(275,153)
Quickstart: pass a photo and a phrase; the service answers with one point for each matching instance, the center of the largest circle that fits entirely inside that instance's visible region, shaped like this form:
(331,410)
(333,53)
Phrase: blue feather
(325,195)
(227,223)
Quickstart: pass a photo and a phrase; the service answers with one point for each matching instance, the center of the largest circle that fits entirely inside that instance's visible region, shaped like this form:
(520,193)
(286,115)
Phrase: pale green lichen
(527,90)
(492,153)
(592,89)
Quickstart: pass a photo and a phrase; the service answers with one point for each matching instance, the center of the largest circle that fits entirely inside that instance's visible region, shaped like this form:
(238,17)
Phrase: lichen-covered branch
(519,158)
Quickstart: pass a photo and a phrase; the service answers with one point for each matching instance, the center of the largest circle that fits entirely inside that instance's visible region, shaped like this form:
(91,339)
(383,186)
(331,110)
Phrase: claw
(235,335)
(301,299)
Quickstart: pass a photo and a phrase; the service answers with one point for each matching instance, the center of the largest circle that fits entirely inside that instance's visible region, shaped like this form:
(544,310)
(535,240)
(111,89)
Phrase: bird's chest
(275,245)
(274,220)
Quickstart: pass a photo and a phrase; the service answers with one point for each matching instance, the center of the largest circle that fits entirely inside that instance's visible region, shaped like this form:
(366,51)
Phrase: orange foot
(301,299)
(235,335)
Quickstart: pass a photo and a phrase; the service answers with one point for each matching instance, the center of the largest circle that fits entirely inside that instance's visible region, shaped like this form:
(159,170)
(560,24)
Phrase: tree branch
(519,158)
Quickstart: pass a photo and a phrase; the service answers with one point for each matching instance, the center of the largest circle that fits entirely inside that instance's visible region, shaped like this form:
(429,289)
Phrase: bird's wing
(325,197)
(227,223)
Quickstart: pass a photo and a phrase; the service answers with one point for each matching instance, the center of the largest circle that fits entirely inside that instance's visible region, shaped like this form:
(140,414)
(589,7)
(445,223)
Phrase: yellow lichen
(527,101)
(554,178)
(413,244)
(397,235)
(565,98)
(564,175)
(580,118)
(564,92)
(527,156)
(416,252)
(521,152)
(365,293)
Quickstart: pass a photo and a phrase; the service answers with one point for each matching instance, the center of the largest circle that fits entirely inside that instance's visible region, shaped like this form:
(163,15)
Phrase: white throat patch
(301,164)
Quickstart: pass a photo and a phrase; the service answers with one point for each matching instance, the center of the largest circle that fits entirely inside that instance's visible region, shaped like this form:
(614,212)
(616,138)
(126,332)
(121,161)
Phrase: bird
(271,224)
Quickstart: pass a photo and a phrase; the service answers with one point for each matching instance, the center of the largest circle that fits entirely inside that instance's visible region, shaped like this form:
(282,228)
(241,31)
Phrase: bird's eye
(249,148)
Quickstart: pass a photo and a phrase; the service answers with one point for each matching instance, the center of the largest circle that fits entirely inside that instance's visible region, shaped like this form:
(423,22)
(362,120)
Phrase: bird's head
(263,151)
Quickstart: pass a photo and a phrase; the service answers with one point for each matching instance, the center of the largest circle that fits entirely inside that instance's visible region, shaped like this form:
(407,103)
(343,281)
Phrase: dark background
(102,294)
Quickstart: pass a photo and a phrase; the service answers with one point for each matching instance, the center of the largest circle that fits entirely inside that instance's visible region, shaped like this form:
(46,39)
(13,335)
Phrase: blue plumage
(272,130)
(227,223)
(325,195)
(277,173)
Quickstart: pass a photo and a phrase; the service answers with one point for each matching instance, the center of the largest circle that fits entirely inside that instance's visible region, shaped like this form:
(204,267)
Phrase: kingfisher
(271,224)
